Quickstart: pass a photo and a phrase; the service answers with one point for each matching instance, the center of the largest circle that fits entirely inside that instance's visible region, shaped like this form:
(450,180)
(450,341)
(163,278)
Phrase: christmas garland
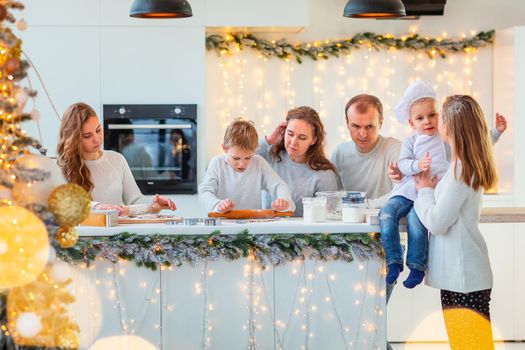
(152,251)
(433,47)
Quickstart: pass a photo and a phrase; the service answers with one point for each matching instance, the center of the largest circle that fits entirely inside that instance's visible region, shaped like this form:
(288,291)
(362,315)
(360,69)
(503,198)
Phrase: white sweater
(242,188)
(113,181)
(302,180)
(413,149)
(458,259)
(367,172)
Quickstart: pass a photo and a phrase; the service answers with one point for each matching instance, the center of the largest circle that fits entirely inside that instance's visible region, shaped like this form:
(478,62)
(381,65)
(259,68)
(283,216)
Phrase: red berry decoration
(3,12)
(11,65)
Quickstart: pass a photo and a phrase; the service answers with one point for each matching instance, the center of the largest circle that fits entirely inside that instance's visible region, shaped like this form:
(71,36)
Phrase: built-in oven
(159,143)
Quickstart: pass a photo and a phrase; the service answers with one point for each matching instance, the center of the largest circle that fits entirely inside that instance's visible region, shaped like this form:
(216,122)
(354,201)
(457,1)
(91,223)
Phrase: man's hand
(277,135)
(424,163)
(225,206)
(394,173)
(280,204)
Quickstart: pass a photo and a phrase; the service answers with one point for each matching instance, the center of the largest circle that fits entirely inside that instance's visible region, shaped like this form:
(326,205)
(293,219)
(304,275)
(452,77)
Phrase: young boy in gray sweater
(235,180)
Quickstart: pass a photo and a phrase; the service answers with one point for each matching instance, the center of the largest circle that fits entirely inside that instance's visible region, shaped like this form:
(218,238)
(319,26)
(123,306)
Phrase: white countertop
(283,226)
(288,225)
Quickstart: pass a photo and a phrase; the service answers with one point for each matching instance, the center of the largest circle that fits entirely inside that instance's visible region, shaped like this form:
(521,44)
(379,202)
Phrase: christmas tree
(33,294)
(13,97)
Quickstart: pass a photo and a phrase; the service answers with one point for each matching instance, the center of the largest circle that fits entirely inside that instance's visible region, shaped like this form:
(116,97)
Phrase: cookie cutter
(190,221)
(174,222)
(212,222)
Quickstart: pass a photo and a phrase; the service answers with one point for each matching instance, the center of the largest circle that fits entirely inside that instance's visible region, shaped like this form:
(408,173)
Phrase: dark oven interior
(159,143)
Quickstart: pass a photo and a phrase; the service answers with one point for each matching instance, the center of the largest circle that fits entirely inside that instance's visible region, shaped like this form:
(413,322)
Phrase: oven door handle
(147,126)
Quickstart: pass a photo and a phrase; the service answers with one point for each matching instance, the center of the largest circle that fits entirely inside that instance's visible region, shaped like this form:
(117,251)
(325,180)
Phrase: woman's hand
(277,135)
(501,123)
(394,173)
(225,206)
(423,179)
(102,206)
(164,202)
(280,204)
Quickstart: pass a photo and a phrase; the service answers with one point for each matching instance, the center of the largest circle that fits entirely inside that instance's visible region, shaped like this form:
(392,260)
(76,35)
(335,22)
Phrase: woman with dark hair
(295,150)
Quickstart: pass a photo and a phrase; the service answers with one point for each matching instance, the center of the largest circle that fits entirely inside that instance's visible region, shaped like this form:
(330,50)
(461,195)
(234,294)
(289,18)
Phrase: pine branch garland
(153,251)
(433,47)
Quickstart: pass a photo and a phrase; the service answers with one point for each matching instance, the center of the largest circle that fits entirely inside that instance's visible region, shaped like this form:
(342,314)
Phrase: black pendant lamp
(160,9)
(374,9)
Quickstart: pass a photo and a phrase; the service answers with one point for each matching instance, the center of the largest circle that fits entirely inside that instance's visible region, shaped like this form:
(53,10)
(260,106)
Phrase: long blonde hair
(470,141)
(69,148)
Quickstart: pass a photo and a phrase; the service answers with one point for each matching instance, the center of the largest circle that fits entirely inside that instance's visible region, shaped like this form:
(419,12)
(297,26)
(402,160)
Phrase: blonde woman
(458,261)
(105,175)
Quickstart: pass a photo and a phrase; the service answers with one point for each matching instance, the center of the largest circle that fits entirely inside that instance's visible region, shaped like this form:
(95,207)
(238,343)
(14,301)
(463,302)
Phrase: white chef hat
(416,91)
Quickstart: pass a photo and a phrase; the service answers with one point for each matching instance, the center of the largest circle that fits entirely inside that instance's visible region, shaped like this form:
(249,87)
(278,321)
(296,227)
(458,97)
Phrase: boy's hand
(225,206)
(424,163)
(394,173)
(280,204)
(277,135)
(501,123)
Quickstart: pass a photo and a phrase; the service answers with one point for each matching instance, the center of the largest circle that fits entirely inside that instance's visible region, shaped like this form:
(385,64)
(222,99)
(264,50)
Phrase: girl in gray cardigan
(458,261)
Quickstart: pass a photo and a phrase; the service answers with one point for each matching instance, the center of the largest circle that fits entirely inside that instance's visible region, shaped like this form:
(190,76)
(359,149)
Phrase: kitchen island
(241,284)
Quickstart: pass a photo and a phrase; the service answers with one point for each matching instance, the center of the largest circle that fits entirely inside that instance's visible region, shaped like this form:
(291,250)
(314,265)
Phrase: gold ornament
(25,193)
(67,340)
(70,203)
(48,299)
(66,237)
(5,196)
(24,246)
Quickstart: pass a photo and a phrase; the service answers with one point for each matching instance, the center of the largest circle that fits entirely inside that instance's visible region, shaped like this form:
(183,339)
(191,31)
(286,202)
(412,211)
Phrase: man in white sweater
(363,162)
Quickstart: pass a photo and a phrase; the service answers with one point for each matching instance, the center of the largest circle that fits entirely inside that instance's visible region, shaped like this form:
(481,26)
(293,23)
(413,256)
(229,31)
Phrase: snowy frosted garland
(153,251)
(433,47)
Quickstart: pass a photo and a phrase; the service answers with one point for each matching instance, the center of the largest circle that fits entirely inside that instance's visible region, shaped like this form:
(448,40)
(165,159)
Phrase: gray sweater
(367,172)
(242,188)
(457,258)
(113,181)
(302,180)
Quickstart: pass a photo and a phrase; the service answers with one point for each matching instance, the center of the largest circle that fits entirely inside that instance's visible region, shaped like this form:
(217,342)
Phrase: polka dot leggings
(467,319)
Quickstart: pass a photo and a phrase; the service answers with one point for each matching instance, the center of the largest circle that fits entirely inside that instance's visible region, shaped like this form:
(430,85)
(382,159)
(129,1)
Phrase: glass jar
(354,207)
(314,209)
(334,203)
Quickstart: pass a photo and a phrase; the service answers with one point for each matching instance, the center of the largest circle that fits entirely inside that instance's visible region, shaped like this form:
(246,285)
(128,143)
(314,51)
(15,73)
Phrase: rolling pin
(250,214)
